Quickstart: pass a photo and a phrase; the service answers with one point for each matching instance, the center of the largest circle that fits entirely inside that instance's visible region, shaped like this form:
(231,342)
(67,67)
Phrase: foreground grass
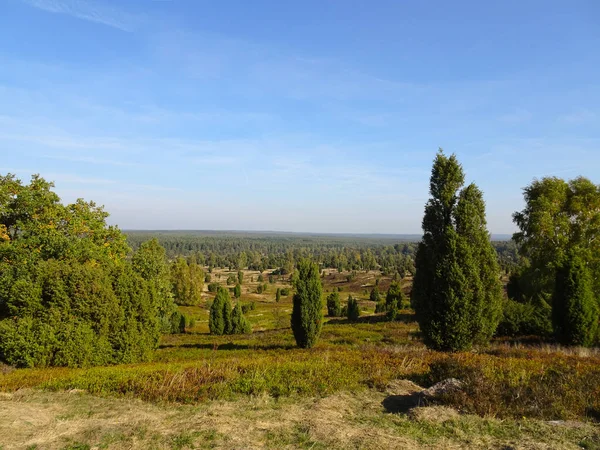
(46,420)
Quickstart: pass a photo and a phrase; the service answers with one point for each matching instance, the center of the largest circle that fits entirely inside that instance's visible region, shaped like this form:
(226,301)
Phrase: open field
(355,389)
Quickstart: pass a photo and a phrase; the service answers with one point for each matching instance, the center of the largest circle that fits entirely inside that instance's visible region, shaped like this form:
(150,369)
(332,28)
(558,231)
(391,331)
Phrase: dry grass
(30,419)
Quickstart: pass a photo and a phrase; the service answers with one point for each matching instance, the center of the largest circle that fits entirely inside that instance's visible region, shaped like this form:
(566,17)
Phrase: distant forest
(262,250)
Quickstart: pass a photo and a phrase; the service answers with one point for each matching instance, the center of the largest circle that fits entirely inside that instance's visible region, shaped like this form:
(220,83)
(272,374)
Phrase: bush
(213,287)
(380,307)
(575,307)
(248,307)
(352,310)
(334,308)
(374,295)
(285,292)
(549,389)
(239,323)
(307,315)
(525,319)
(219,319)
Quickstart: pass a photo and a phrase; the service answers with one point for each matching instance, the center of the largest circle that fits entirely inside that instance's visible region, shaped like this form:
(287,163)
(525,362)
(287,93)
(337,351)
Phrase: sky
(309,116)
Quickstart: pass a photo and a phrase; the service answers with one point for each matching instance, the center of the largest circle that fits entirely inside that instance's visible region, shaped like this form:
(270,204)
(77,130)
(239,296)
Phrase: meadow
(357,388)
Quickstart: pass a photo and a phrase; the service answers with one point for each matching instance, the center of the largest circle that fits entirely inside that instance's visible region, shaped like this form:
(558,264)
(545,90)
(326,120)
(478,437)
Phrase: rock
(443,387)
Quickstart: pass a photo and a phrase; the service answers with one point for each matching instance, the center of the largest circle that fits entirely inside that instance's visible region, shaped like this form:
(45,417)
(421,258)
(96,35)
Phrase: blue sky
(319,116)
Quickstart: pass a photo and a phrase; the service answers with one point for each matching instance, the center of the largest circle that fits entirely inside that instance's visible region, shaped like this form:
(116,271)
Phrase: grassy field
(358,388)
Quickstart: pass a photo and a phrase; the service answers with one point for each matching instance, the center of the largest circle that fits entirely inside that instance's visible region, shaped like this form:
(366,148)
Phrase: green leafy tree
(187,281)
(68,295)
(575,307)
(334,308)
(150,262)
(558,216)
(352,309)
(239,322)
(240,277)
(237,291)
(278,295)
(307,313)
(456,290)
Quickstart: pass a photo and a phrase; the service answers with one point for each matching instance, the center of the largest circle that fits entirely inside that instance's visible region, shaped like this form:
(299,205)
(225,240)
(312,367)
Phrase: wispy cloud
(87,10)
(583,116)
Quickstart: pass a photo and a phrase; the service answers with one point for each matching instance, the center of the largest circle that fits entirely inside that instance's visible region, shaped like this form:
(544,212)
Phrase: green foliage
(187,280)
(285,292)
(381,306)
(575,307)
(240,276)
(394,298)
(456,290)
(223,320)
(207,278)
(278,295)
(525,319)
(213,287)
(259,289)
(239,323)
(237,291)
(260,279)
(558,216)
(231,280)
(374,296)
(68,296)
(248,307)
(150,262)
(334,308)
(219,319)
(307,315)
(352,309)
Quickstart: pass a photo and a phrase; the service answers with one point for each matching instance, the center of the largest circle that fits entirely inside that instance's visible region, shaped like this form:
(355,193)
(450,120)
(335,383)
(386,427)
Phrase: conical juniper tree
(219,320)
(456,292)
(307,312)
(575,308)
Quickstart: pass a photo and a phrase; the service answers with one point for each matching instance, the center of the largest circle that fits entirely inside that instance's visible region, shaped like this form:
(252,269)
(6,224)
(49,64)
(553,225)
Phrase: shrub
(239,323)
(525,319)
(237,291)
(374,295)
(380,307)
(334,308)
(575,307)
(352,310)
(285,292)
(307,315)
(213,287)
(219,320)
(278,295)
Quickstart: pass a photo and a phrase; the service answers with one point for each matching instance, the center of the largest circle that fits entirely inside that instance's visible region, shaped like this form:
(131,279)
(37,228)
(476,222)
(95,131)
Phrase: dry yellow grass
(44,420)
